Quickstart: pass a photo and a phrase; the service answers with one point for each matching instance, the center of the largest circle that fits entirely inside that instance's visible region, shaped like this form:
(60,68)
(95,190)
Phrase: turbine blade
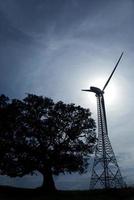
(112,72)
(86,90)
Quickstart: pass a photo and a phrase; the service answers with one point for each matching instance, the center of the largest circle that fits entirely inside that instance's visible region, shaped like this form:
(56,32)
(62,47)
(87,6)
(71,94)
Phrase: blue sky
(57,47)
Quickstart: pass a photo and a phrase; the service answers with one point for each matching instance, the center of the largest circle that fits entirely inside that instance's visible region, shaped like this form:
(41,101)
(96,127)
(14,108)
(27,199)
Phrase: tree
(38,134)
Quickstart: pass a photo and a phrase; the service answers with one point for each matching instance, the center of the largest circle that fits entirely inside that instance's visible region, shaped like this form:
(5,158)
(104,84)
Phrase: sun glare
(111,96)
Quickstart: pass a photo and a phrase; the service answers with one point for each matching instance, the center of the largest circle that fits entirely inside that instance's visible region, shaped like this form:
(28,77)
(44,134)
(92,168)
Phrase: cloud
(9,33)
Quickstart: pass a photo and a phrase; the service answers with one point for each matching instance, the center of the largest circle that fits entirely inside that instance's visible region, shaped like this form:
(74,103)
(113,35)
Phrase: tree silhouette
(38,134)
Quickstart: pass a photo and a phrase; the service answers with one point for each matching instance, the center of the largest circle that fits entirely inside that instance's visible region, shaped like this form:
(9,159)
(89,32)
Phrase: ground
(7,193)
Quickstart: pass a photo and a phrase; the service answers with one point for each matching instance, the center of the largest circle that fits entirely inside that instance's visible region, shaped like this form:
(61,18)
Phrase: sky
(55,48)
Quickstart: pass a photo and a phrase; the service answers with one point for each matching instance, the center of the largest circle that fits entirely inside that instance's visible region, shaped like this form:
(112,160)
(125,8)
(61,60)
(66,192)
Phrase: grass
(7,193)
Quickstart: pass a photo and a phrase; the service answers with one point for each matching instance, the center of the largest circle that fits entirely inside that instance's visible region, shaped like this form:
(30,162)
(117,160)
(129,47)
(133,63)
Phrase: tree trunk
(48,184)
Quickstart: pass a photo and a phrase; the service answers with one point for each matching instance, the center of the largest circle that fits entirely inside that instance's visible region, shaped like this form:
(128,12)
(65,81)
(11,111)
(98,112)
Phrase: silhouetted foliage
(38,134)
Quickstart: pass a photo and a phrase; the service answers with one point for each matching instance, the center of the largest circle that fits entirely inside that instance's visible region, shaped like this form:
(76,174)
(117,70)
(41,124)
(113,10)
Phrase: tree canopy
(38,134)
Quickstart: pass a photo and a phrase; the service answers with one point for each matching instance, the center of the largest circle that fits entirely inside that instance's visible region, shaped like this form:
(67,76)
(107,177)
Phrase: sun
(111,91)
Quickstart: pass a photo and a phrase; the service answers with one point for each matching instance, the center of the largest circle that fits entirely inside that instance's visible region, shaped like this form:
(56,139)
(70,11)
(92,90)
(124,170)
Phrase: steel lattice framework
(105,172)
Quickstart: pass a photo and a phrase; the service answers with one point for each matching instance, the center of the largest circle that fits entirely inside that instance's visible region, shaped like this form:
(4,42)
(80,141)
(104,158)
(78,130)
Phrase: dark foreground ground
(7,193)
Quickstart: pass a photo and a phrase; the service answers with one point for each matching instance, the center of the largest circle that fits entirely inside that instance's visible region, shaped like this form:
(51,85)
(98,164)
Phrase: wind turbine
(105,171)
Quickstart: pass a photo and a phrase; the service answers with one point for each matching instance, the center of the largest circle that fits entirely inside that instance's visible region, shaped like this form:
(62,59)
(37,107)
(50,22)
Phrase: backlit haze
(55,48)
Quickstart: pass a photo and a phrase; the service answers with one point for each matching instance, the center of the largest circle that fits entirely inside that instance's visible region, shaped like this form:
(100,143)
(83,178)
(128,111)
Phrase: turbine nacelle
(96,90)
